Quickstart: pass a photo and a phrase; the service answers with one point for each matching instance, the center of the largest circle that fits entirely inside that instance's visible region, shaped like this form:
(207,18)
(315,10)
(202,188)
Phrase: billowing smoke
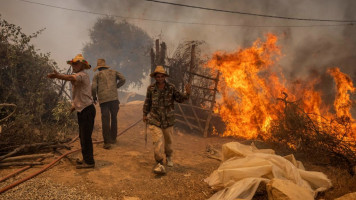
(304,47)
(307,47)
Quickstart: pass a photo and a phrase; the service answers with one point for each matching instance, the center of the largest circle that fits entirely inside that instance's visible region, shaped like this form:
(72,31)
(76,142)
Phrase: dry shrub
(314,137)
(23,82)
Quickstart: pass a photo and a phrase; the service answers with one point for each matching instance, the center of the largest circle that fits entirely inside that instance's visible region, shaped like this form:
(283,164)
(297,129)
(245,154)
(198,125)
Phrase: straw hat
(100,63)
(79,58)
(159,70)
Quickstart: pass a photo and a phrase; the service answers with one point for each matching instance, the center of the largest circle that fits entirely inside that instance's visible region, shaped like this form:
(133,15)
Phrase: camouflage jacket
(105,85)
(159,104)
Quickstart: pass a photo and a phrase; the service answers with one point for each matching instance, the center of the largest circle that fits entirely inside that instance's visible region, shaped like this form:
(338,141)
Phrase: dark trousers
(109,112)
(86,125)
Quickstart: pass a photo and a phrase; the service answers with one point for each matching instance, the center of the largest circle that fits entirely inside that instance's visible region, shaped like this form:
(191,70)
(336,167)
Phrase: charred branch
(313,135)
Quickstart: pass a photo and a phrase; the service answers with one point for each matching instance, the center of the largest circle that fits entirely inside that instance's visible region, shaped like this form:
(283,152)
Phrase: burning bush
(322,140)
(251,105)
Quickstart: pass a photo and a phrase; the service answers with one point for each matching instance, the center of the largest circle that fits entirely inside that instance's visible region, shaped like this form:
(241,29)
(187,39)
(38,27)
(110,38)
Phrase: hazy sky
(304,47)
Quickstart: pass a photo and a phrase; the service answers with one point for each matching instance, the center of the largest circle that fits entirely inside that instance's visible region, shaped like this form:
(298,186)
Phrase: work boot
(79,161)
(85,165)
(107,146)
(169,162)
(159,169)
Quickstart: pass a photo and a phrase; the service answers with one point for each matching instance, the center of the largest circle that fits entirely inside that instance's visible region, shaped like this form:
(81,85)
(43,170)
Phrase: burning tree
(251,105)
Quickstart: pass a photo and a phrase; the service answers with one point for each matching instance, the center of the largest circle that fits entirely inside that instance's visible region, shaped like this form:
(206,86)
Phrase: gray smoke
(305,49)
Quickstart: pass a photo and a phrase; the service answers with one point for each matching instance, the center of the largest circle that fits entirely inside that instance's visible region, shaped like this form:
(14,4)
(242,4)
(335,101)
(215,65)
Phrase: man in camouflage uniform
(104,88)
(158,113)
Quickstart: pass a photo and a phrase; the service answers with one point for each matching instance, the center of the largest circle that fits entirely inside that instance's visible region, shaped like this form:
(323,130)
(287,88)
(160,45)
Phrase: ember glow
(251,84)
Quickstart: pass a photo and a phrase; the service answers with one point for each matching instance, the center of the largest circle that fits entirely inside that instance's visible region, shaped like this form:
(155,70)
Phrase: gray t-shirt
(81,96)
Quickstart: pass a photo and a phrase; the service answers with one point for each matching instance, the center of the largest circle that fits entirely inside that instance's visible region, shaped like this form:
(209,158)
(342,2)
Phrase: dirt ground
(125,171)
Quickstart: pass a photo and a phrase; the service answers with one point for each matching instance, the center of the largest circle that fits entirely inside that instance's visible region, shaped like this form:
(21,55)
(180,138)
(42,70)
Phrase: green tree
(124,46)
(23,82)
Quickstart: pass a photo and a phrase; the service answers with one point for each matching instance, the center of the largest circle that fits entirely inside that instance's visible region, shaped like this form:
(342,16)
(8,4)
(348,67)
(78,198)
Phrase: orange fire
(250,86)
(344,84)
(342,103)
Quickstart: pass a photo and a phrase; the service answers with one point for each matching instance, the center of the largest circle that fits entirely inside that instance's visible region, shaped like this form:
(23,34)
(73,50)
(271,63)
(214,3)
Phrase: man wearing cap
(158,113)
(82,102)
(104,89)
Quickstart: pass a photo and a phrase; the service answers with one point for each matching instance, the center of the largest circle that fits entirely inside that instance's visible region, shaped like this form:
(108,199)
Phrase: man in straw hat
(104,89)
(82,102)
(158,113)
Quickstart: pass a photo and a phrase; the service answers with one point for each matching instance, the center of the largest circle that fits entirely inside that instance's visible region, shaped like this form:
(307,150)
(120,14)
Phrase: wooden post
(211,106)
(157,52)
(153,64)
(185,118)
(162,54)
(192,64)
(190,80)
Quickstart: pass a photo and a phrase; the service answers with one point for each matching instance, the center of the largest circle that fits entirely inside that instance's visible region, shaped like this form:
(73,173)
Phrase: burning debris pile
(257,102)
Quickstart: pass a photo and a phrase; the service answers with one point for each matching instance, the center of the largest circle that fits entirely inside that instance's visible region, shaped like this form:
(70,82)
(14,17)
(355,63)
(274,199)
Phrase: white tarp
(244,167)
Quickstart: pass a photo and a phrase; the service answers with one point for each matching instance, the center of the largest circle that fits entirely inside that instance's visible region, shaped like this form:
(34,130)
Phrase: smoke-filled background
(307,46)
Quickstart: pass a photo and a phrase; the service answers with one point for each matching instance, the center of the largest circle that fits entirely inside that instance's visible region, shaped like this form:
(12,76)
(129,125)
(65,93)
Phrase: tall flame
(246,97)
(344,85)
(342,103)
(250,87)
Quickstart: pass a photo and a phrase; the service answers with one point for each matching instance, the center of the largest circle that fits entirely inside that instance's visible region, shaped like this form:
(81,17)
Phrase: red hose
(14,173)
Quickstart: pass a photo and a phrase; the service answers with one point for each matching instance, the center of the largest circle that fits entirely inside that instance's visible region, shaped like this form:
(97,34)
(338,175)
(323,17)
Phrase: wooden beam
(204,88)
(182,122)
(20,163)
(211,106)
(210,100)
(191,68)
(24,157)
(157,52)
(188,117)
(153,64)
(197,107)
(193,73)
(185,118)
(203,76)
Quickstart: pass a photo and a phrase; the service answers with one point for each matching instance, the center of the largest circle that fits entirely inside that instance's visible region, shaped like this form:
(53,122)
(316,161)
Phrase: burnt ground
(125,171)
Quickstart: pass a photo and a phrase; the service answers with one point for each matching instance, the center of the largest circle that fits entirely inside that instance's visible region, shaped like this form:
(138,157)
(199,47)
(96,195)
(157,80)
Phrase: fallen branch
(16,158)
(20,163)
(15,151)
(8,105)
(57,146)
(26,147)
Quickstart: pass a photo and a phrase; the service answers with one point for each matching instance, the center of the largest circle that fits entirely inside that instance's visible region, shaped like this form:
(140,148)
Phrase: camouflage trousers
(161,137)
